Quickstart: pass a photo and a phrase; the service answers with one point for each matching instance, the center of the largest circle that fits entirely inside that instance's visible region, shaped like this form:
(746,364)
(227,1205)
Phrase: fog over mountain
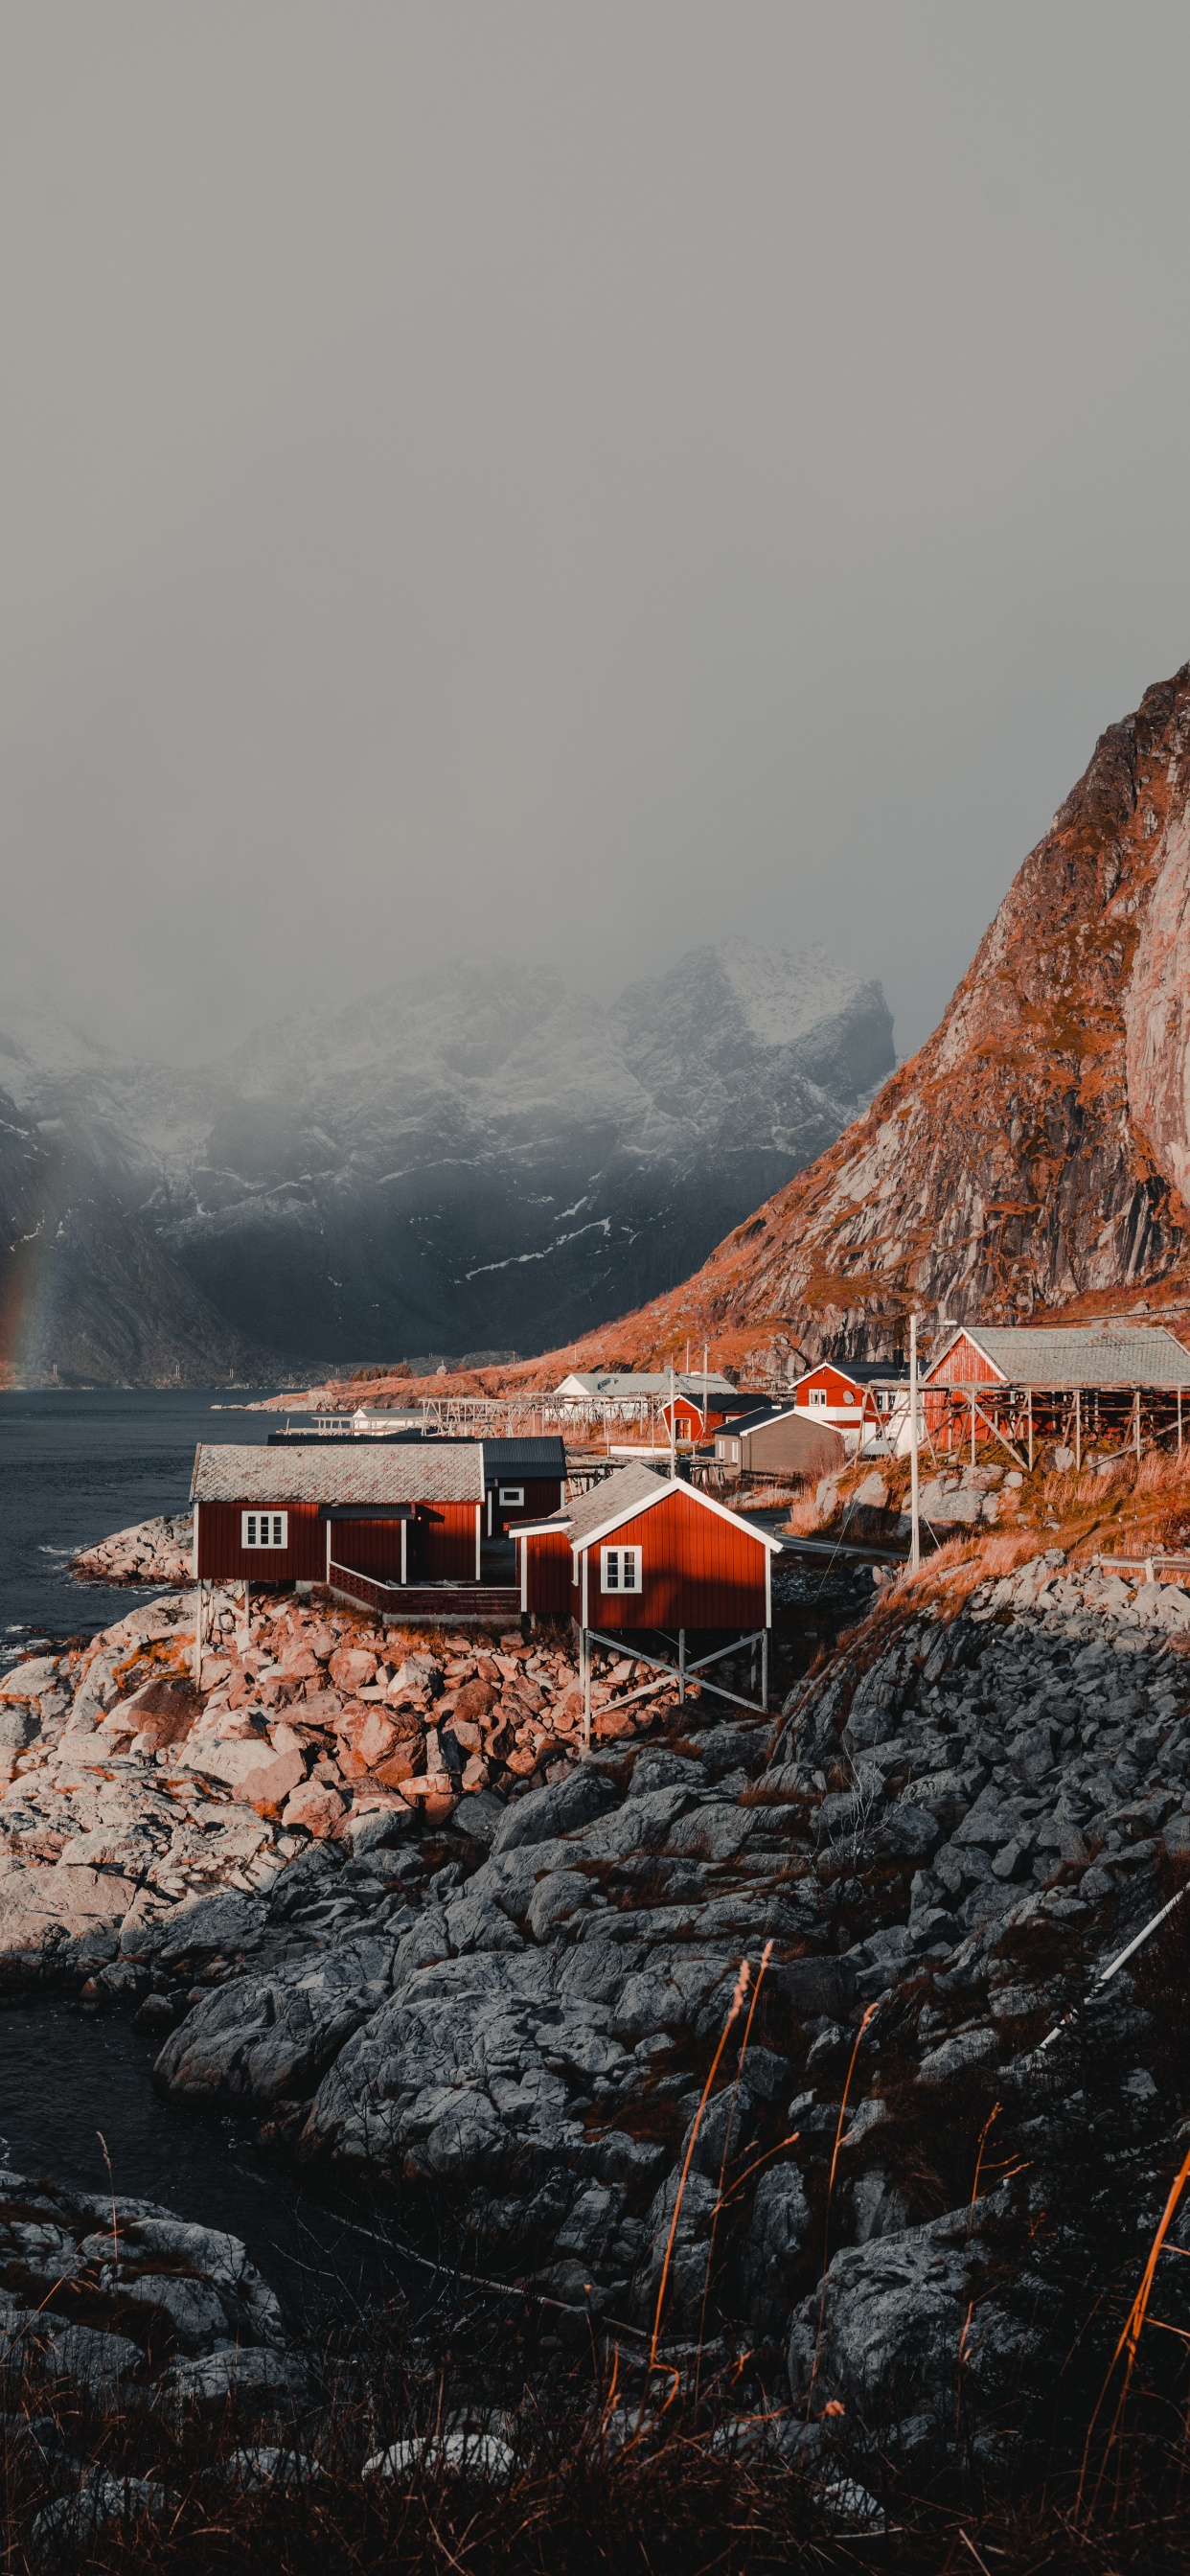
(1034,1155)
(476,1158)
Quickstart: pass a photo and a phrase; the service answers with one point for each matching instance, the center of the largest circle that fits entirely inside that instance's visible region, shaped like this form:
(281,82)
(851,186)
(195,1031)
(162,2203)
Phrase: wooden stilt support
(764,1672)
(973,1430)
(681,1666)
(914,1516)
(1030,1402)
(1078,1429)
(198,1611)
(1179,1422)
(585,1677)
(1136,1423)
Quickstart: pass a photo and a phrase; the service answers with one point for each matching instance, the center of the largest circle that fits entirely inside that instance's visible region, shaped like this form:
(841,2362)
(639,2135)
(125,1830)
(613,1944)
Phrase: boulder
(316,1806)
(352,1668)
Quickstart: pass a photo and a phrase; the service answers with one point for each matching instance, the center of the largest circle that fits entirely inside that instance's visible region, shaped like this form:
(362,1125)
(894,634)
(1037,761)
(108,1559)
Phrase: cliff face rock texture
(1037,1151)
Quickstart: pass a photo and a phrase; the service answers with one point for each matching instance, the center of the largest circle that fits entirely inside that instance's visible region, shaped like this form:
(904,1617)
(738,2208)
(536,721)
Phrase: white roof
(620,1385)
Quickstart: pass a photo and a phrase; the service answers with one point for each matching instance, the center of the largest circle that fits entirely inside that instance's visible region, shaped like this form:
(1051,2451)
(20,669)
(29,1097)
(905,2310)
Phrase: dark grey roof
(861,1372)
(542,1458)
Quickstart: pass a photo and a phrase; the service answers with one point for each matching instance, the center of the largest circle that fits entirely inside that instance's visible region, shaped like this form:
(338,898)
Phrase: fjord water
(75,1466)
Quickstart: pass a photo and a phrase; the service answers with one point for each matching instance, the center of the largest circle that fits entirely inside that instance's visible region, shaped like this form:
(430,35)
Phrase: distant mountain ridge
(477,1157)
(1035,1154)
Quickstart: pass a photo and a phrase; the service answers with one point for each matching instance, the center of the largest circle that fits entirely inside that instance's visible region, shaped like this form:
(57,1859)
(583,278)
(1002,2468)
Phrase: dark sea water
(76,1466)
(73,1468)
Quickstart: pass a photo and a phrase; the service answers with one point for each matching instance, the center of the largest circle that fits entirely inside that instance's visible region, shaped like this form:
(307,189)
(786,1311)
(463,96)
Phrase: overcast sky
(569,480)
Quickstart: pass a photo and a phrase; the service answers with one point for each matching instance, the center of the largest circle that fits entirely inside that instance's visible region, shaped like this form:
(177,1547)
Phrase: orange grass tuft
(1133,2328)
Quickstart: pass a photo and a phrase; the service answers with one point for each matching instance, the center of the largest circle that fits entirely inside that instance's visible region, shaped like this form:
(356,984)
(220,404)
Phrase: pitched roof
(358,1471)
(1072,1355)
(619,1492)
(631,1489)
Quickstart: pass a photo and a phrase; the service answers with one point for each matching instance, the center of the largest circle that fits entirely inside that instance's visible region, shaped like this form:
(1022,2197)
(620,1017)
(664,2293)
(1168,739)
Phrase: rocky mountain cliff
(472,1159)
(1035,1153)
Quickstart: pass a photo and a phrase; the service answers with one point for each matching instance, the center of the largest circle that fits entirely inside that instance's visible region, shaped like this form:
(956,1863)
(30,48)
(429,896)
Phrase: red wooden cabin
(409,1514)
(639,1552)
(841,1393)
(693,1421)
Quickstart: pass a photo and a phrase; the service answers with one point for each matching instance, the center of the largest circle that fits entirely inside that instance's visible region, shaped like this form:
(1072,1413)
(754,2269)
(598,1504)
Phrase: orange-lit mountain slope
(1036,1152)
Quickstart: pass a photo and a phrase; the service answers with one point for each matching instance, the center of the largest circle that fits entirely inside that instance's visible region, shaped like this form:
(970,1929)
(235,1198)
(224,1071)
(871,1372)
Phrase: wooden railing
(425,1600)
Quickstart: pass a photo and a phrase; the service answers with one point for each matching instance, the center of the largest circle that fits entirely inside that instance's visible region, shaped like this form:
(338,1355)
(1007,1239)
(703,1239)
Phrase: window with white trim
(512,1497)
(817,1396)
(620,1569)
(264,1529)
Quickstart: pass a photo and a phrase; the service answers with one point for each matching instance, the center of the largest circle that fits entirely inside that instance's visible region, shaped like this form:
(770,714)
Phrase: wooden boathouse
(1111,1386)
(640,1553)
(396,1527)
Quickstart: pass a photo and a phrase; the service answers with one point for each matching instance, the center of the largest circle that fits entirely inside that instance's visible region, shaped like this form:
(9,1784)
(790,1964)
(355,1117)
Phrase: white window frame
(512,1498)
(621,1569)
(816,1396)
(261,1530)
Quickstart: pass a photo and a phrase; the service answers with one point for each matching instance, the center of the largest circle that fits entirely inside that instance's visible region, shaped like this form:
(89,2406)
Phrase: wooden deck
(441,1601)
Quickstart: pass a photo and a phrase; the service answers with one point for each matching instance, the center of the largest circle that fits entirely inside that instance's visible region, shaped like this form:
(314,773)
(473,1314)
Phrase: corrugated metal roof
(1079,1354)
(359,1472)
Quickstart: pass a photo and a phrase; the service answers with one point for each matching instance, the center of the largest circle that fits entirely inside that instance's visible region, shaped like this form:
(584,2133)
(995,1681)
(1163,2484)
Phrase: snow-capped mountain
(474,1158)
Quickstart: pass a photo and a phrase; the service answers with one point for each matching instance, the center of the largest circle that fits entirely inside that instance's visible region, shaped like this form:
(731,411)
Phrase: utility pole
(914,1519)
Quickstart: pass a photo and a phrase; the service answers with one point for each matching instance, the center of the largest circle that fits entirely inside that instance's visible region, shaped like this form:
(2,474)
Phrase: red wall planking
(699,1571)
(222,1559)
(441,1546)
(549,1574)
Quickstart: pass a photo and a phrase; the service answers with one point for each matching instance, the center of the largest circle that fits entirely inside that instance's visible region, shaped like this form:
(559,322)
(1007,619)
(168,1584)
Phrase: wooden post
(681,1666)
(1030,1403)
(198,1604)
(1136,1423)
(764,1672)
(1179,1422)
(584,1656)
(1078,1429)
(973,1426)
(914,1521)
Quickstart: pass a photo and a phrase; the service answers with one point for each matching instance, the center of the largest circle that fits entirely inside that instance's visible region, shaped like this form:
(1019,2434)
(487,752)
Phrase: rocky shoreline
(507,1996)
(153,1551)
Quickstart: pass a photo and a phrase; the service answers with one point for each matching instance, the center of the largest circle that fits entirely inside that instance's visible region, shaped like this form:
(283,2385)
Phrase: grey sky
(579,479)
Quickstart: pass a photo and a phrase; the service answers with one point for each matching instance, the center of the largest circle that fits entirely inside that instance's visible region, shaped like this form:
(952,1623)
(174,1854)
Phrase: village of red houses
(587,1558)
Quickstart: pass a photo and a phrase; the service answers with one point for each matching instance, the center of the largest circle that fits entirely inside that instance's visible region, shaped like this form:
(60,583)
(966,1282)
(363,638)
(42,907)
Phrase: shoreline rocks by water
(126,1791)
(153,1551)
(510,1995)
